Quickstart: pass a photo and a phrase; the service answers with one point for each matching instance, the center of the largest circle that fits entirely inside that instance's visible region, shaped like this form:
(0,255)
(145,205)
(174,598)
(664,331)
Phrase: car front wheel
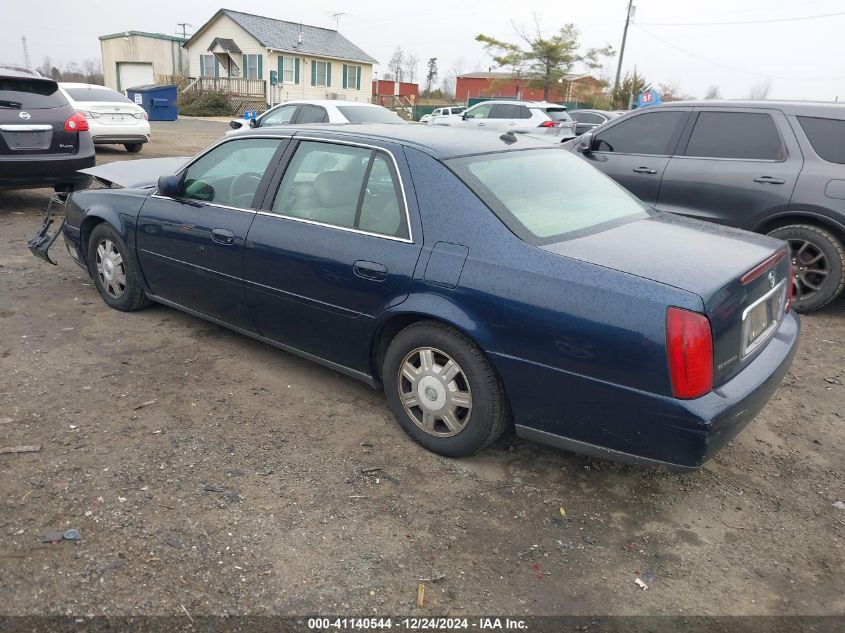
(133,148)
(443,390)
(114,270)
(818,261)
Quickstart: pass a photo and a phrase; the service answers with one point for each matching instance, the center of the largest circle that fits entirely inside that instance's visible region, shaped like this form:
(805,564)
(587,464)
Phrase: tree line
(88,71)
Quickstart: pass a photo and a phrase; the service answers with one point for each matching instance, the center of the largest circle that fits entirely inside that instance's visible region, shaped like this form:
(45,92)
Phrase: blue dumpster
(158,101)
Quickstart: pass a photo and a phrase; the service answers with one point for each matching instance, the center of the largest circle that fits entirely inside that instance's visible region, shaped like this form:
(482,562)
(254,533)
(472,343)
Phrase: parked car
(112,118)
(320,111)
(771,167)
(588,120)
(445,111)
(519,116)
(43,140)
(481,280)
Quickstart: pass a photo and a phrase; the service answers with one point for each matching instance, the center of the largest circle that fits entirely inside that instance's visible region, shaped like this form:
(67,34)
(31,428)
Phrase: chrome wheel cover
(111,270)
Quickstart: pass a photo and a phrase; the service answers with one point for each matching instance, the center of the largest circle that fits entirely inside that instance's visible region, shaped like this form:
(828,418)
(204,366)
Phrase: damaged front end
(40,243)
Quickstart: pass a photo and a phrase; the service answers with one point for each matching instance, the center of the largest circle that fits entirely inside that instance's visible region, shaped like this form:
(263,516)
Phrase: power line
(794,19)
(729,67)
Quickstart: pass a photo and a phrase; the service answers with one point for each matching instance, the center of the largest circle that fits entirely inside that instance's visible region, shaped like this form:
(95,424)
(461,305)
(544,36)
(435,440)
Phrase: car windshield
(369,114)
(545,195)
(558,114)
(30,93)
(96,94)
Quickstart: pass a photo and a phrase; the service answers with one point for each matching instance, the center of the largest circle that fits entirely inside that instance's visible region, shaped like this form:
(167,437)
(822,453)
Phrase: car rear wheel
(818,260)
(443,390)
(114,270)
(133,148)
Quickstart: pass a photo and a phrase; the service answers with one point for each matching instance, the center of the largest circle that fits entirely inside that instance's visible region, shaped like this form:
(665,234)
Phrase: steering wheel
(243,187)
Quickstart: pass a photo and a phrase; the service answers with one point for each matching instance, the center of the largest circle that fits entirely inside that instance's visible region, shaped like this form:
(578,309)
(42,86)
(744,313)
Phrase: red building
(385,88)
(506,85)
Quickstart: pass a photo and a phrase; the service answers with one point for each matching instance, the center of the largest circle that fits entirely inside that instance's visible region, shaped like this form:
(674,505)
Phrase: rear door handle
(644,170)
(370,271)
(223,236)
(769,180)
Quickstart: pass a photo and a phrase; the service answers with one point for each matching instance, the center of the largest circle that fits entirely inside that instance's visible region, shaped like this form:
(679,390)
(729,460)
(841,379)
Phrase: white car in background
(319,111)
(518,116)
(112,118)
(446,111)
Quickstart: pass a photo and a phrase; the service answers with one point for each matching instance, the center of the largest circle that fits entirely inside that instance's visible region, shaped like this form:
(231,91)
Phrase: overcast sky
(802,58)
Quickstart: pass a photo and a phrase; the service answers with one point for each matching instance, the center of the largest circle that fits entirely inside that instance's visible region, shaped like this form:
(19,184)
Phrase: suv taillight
(689,346)
(76,123)
(549,124)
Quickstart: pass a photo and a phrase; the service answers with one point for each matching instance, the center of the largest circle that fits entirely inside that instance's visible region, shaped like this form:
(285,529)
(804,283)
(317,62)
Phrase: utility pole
(628,16)
(184,26)
(25,52)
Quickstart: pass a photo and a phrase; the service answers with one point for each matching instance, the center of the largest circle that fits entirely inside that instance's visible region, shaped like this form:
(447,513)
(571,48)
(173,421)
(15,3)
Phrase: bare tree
(760,90)
(45,67)
(713,93)
(93,71)
(396,66)
(411,63)
(449,82)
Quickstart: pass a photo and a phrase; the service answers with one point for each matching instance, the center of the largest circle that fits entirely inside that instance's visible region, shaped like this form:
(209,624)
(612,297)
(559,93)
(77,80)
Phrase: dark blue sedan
(483,281)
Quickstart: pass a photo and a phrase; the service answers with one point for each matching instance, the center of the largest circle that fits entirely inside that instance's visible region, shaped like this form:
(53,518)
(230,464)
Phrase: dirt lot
(260,483)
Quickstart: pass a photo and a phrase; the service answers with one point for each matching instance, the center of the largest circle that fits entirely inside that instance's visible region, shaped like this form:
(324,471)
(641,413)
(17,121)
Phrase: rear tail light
(762,267)
(689,344)
(549,123)
(141,115)
(76,123)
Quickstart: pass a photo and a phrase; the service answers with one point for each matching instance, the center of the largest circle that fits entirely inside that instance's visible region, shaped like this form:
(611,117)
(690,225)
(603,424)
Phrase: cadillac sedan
(482,281)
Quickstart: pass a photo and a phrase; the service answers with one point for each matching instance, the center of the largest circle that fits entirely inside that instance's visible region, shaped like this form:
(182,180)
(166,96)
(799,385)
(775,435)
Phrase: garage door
(131,74)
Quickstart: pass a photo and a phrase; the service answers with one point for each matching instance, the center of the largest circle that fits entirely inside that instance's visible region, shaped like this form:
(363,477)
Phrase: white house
(235,53)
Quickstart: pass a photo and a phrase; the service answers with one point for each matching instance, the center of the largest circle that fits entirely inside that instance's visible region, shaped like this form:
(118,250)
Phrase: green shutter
(345,76)
(328,74)
(313,73)
(358,79)
(244,66)
(296,70)
(281,65)
(260,67)
(202,66)
(216,67)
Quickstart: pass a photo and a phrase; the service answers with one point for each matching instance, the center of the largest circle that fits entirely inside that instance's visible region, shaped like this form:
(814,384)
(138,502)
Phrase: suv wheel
(818,259)
(133,148)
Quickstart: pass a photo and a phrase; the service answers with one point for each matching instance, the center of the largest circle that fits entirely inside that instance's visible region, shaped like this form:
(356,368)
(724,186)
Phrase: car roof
(441,141)
(809,108)
(529,104)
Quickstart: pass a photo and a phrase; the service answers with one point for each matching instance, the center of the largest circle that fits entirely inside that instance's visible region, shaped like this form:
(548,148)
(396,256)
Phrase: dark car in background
(43,139)
(588,120)
(482,280)
(767,166)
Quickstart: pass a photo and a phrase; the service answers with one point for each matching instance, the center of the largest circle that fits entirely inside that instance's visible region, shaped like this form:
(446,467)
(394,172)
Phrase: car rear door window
(343,186)
(653,133)
(827,136)
(32,94)
(510,111)
(312,114)
(738,135)
(230,173)
(588,117)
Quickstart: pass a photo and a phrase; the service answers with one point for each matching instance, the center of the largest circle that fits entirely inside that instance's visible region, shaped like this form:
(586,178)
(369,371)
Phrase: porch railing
(228,85)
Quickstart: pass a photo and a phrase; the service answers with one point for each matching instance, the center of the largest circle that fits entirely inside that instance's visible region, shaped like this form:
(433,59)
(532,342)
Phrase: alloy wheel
(810,267)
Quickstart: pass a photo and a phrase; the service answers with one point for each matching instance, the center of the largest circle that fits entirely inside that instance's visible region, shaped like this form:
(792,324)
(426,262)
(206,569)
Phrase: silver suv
(519,116)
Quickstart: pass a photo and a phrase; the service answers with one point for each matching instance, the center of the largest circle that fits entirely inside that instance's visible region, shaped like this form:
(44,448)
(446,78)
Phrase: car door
(512,116)
(333,249)
(281,115)
(635,151)
(311,114)
(477,116)
(190,247)
(734,166)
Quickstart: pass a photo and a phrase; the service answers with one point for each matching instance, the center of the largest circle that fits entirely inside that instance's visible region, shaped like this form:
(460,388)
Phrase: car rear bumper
(47,169)
(609,421)
(103,139)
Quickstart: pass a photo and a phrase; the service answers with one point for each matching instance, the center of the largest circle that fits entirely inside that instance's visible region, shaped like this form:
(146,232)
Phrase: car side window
(280,116)
(230,173)
(587,117)
(652,133)
(738,135)
(312,114)
(481,111)
(344,186)
(827,136)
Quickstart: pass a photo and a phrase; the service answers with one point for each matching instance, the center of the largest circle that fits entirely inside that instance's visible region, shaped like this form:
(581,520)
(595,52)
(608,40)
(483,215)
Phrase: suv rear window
(558,114)
(96,94)
(545,195)
(33,94)
(827,136)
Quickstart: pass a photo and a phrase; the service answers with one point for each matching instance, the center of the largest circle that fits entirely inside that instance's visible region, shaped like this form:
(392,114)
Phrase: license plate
(760,319)
(30,140)
(116,118)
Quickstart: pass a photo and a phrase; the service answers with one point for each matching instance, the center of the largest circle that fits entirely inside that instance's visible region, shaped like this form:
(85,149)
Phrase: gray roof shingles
(284,36)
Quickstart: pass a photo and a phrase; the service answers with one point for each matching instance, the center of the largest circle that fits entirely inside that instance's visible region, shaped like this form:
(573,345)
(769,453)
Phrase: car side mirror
(585,145)
(464,116)
(236,124)
(170,185)
(253,123)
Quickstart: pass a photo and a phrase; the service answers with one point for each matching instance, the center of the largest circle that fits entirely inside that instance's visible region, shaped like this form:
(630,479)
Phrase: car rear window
(545,195)
(96,94)
(827,136)
(558,114)
(369,114)
(33,94)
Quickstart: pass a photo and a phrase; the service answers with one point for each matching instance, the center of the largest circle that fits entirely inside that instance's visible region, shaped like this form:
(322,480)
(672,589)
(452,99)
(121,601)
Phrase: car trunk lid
(32,116)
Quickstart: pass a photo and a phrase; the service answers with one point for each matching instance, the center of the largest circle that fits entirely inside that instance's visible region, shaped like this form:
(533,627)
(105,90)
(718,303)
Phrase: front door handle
(370,271)
(769,180)
(644,170)
(223,236)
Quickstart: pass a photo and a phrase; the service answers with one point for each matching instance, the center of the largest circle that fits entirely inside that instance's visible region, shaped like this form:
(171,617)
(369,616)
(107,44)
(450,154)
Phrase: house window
(252,67)
(287,70)
(207,66)
(322,73)
(352,77)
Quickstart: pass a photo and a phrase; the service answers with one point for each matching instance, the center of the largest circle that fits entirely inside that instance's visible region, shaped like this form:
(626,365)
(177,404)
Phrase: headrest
(337,188)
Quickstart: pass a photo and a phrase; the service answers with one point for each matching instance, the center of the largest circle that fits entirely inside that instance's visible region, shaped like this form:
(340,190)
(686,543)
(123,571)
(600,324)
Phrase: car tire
(455,405)
(813,249)
(133,148)
(114,269)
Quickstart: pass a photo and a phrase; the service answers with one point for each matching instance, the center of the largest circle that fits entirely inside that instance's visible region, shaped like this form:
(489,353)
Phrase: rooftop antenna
(299,39)
(336,16)
(184,26)
(25,52)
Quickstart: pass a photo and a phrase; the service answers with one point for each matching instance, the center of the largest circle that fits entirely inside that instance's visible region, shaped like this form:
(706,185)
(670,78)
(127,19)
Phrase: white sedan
(112,118)
(319,111)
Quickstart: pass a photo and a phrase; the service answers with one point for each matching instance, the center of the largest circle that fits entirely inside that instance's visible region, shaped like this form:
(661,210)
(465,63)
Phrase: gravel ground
(212,474)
